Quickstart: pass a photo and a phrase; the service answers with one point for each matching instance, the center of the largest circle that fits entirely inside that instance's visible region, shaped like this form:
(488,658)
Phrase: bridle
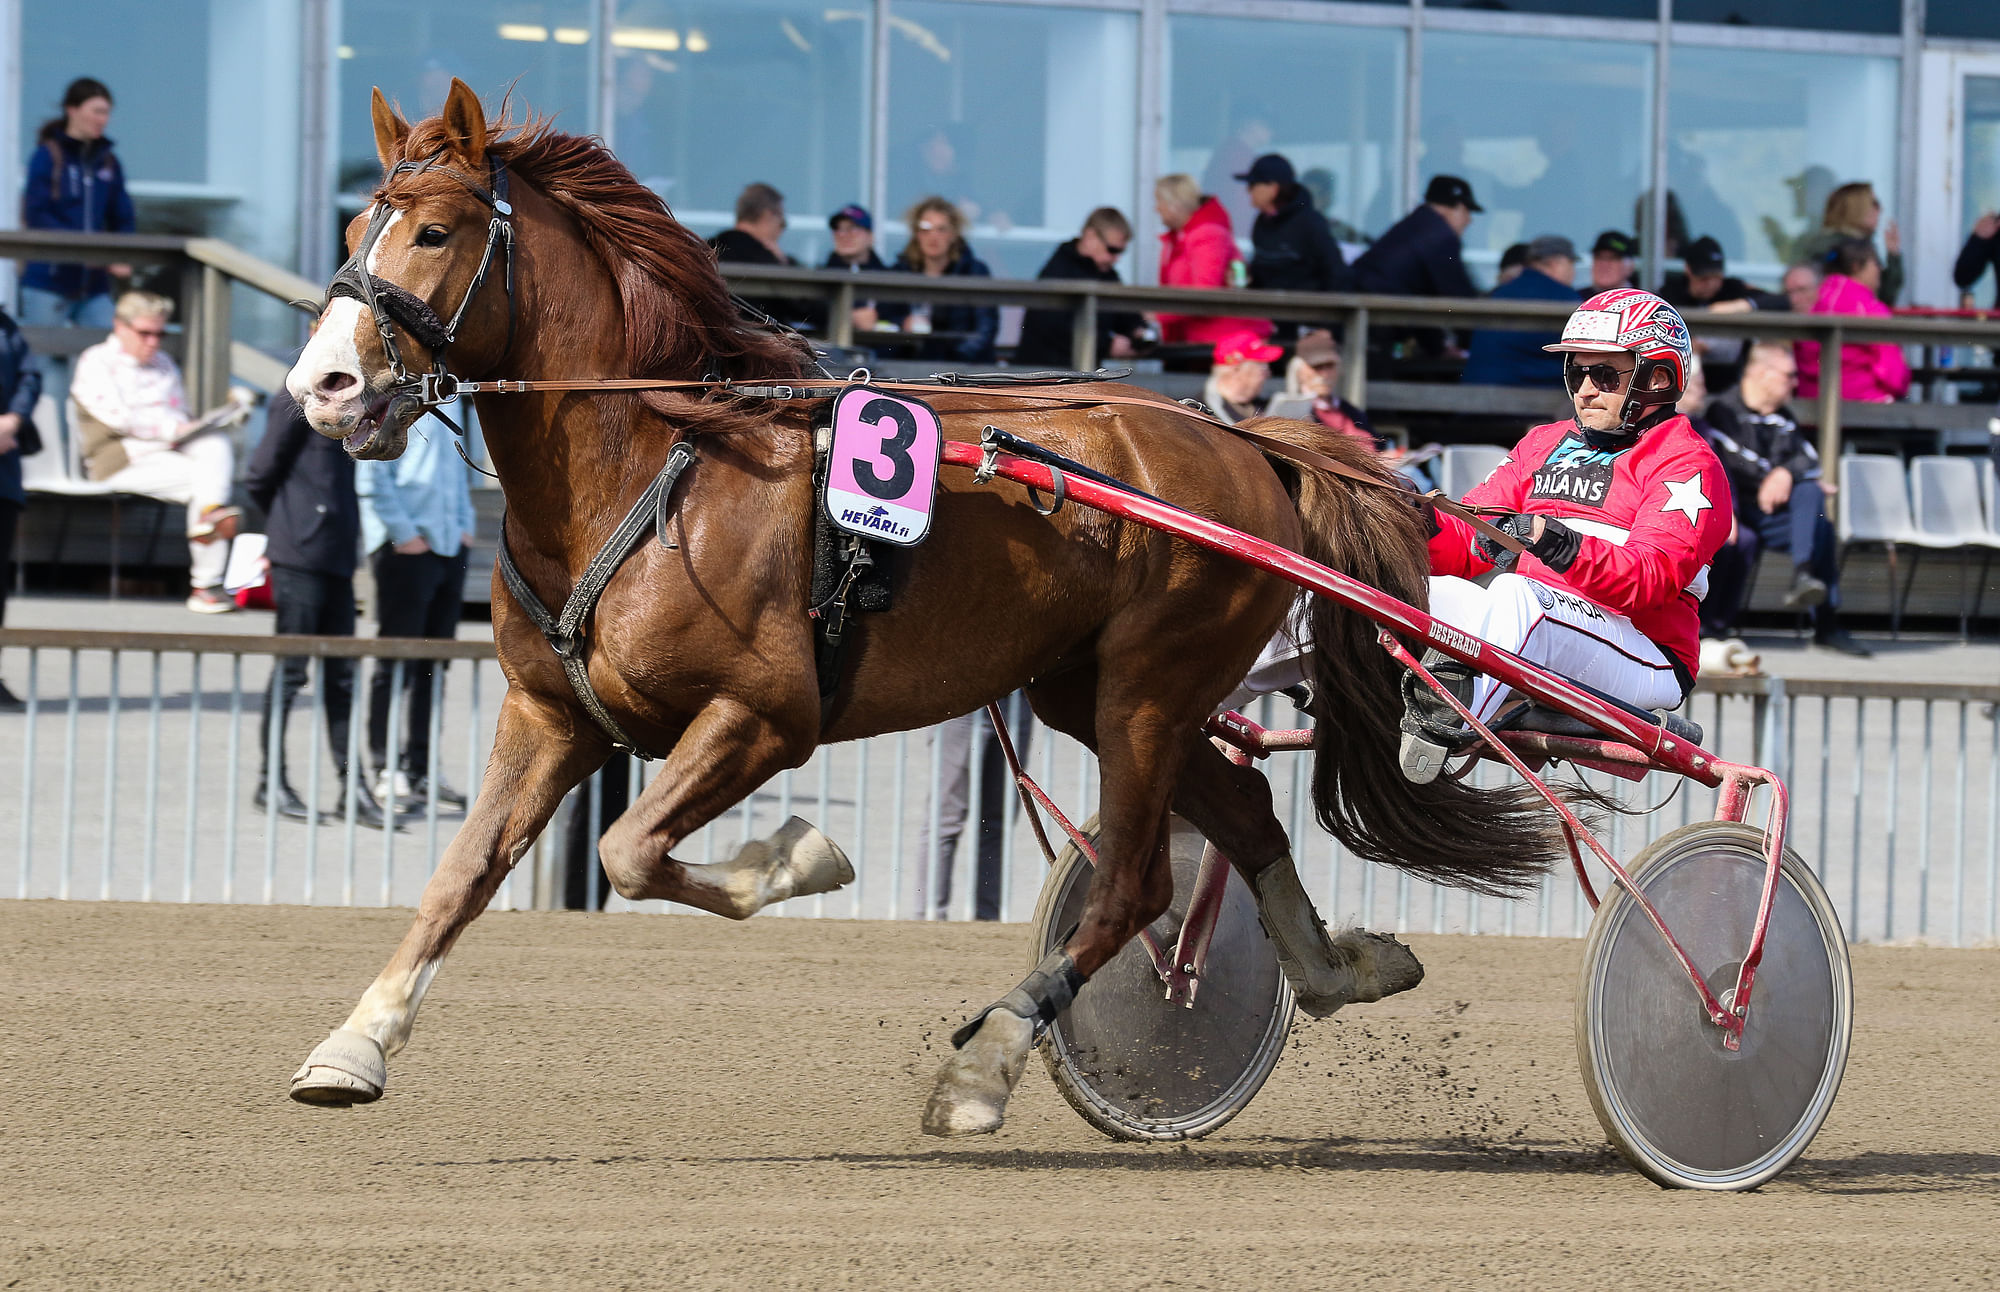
(391,306)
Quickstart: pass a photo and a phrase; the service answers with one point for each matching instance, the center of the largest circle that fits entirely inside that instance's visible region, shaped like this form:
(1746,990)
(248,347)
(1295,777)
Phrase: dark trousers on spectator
(10,518)
(581,868)
(1801,530)
(415,596)
(313,605)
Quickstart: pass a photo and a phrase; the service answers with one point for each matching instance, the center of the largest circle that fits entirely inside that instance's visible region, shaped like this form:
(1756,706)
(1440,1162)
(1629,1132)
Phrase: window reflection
(1329,98)
(1553,135)
(1026,117)
(1582,8)
(1962,18)
(1811,15)
(1757,139)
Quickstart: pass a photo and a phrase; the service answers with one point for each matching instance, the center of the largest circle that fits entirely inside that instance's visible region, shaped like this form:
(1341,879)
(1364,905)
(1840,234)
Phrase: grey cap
(1549,246)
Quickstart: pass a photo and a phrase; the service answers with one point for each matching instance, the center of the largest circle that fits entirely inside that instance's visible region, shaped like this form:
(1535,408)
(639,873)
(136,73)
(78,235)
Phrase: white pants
(1559,630)
(198,474)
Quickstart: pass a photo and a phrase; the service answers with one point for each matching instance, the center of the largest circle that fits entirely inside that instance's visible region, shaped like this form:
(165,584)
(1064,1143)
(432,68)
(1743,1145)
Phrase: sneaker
(1432,730)
(210,601)
(290,805)
(9,702)
(447,795)
(1806,592)
(1839,639)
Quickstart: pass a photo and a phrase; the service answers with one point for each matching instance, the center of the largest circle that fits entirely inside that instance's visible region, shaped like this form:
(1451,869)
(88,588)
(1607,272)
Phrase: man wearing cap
(1611,260)
(1705,285)
(1235,388)
(1294,248)
(1423,253)
(1498,358)
(1091,255)
(854,251)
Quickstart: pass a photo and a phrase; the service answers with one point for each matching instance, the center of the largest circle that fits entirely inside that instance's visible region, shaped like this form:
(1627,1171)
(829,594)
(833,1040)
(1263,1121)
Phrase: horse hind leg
(725,754)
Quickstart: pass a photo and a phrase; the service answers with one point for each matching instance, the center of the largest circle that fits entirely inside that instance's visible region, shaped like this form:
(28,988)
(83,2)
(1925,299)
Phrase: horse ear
(465,123)
(390,130)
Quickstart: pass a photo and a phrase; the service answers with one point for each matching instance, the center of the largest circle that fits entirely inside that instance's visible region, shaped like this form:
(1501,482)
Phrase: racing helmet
(1640,324)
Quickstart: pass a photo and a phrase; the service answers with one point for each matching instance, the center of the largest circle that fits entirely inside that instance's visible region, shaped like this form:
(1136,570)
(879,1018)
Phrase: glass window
(1981,163)
(1758,138)
(715,94)
(1585,8)
(1027,117)
(1553,135)
(1329,98)
(1811,15)
(1974,18)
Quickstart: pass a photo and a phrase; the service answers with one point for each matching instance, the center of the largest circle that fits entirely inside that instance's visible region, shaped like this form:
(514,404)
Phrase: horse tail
(1495,841)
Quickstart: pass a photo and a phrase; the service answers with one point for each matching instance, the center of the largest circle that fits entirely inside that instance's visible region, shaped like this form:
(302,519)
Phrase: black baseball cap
(1703,256)
(1271,168)
(853,214)
(1613,243)
(1450,190)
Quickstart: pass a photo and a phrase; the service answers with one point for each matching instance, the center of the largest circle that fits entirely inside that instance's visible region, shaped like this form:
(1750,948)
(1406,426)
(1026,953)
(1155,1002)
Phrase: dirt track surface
(647,1101)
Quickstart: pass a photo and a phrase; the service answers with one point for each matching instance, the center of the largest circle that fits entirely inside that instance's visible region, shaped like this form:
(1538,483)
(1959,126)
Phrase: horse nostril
(335,384)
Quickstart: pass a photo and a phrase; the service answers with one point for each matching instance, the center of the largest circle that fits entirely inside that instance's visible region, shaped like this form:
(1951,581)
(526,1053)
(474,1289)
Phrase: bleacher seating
(1461,466)
(1874,508)
(1945,500)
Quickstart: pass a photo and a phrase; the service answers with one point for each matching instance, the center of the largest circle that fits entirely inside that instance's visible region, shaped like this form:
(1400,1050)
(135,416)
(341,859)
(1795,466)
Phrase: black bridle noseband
(392,306)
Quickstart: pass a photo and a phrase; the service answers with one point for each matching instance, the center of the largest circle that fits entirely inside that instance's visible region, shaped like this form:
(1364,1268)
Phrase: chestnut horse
(1125,638)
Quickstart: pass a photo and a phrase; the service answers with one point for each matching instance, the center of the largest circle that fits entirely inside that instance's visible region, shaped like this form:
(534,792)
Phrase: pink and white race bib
(881,477)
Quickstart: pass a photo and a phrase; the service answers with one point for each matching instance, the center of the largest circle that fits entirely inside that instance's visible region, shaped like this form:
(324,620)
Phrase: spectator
(1981,250)
(75,183)
(1876,373)
(20,387)
(1293,247)
(753,240)
(1315,371)
(1501,358)
(937,249)
(1422,254)
(133,419)
(1512,261)
(1853,212)
(1235,387)
(1801,284)
(854,251)
(304,481)
(997,801)
(1611,258)
(1774,476)
(1706,284)
(1198,250)
(1089,256)
(416,526)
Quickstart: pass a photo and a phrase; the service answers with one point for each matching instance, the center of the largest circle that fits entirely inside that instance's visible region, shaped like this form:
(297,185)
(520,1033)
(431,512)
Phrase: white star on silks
(1685,496)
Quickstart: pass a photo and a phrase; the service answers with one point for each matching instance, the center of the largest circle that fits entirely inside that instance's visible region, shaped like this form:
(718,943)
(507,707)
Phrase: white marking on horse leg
(388,1009)
(796,861)
(972,1089)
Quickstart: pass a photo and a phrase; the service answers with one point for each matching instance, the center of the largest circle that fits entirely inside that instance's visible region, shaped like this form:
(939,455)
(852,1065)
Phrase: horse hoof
(1382,965)
(346,1068)
(816,863)
(973,1088)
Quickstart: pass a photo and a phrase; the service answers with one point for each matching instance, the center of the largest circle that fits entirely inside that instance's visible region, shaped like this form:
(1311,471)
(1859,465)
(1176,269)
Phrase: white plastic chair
(1461,466)
(1945,497)
(1875,508)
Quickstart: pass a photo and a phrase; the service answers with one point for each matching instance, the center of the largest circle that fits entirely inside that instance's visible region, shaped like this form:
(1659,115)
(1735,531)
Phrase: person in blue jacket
(75,183)
(1497,358)
(20,386)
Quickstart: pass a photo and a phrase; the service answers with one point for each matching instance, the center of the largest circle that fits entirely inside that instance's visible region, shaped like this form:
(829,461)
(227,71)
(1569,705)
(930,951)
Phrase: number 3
(896,448)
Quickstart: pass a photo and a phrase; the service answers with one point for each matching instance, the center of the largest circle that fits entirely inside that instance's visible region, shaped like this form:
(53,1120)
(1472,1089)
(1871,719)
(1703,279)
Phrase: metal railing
(143,792)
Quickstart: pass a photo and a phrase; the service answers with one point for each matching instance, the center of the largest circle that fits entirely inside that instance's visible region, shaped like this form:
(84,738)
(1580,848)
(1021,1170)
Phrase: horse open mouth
(384,428)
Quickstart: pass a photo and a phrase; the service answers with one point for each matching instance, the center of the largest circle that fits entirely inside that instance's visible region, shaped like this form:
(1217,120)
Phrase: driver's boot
(1432,729)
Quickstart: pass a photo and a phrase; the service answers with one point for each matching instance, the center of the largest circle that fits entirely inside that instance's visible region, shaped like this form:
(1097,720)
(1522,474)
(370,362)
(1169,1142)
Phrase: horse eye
(433,236)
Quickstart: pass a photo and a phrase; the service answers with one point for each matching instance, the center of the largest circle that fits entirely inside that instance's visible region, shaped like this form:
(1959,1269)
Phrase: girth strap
(565,631)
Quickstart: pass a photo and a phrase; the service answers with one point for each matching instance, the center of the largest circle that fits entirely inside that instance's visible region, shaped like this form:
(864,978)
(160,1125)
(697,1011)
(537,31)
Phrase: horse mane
(680,319)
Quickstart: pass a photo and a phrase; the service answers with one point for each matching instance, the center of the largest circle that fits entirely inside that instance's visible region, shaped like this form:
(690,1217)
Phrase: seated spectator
(1801,287)
(937,249)
(20,387)
(1611,261)
(1315,371)
(854,250)
(753,240)
(1512,261)
(1774,477)
(1235,388)
(133,421)
(1293,249)
(1876,373)
(1853,212)
(1981,250)
(1046,335)
(1422,254)
(1500,358)
(1198,250)
(1706,284)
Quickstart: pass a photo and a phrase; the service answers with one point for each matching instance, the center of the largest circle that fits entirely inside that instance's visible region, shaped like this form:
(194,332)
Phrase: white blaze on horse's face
(327,380)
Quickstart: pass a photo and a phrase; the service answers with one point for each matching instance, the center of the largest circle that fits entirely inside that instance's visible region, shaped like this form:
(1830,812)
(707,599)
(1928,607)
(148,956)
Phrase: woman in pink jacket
(1875,373)
(1198,250)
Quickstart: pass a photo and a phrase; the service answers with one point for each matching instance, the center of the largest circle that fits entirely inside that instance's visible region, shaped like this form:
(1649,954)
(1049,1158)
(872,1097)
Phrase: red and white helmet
(1638,323)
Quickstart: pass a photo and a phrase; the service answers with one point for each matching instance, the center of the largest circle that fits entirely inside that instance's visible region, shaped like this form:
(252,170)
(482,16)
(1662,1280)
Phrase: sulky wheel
(1137,1066)
(1685,1111)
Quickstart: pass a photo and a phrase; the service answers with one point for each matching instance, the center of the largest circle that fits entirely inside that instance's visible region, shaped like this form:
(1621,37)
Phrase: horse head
(430,266)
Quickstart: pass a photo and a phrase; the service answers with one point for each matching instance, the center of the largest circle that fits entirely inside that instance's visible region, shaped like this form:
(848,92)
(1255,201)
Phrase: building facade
(248,119)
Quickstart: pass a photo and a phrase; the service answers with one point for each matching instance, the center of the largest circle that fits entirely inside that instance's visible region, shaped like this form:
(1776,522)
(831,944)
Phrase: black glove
(1557,548)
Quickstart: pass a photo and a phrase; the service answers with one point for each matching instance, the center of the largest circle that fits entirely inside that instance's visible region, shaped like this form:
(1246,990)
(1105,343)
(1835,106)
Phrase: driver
(1622,508)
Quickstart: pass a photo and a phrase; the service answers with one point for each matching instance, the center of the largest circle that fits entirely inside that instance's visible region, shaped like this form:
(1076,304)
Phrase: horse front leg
(538,756)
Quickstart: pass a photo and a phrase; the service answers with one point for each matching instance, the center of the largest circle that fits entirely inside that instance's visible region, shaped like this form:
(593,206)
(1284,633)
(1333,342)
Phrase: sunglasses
(1602,375)
(155,333)
(1116,248)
